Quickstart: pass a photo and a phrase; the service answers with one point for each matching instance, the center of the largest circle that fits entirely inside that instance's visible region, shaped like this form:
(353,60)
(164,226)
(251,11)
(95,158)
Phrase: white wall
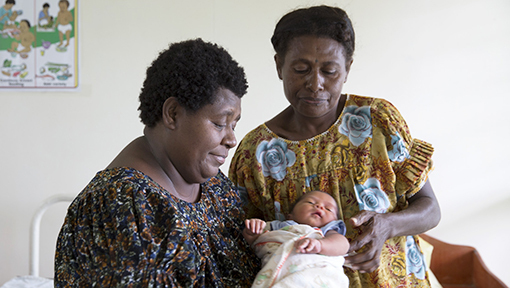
(444,64)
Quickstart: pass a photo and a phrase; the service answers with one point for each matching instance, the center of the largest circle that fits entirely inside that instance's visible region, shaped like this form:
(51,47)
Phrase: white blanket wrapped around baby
(283,267)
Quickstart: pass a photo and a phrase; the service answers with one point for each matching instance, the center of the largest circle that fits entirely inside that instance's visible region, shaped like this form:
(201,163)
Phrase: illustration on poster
(38,44)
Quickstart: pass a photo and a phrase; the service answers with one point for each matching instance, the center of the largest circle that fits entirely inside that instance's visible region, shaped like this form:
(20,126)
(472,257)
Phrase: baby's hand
(308,246)
(254,226)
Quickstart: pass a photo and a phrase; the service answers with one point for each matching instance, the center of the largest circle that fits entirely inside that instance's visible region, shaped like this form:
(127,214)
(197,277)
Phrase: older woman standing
(358,149)
(162,214)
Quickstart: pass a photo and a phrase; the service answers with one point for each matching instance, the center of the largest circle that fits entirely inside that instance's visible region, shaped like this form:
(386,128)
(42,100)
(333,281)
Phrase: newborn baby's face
(315,209)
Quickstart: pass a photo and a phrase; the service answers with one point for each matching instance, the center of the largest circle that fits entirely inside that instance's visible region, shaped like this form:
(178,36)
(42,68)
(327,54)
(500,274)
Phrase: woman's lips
(219,158)
(313,101)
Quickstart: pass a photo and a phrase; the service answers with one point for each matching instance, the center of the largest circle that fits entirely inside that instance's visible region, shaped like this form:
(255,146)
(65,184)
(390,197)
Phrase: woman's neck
(165,172)
(295,127)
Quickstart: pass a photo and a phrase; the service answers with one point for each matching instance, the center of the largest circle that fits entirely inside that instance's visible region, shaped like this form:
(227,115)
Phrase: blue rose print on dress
(356,124)
(371,197)
(275,158)
(309,179)
(399,152)
(415,262)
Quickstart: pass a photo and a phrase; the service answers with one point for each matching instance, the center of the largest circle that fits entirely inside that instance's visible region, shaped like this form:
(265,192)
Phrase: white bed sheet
(29,282)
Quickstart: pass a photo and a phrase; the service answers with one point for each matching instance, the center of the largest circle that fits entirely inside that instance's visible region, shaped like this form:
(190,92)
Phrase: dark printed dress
(124,230)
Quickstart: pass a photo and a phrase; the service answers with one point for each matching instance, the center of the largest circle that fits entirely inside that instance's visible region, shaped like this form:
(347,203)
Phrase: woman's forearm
(422,214)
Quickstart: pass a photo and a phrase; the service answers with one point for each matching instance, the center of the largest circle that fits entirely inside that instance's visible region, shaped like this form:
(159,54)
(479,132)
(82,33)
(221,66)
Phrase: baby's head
(315,208)
(63,4)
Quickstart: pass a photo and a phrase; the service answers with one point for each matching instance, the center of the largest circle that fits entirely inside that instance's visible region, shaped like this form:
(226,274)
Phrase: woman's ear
(170,111)
(279,63)
(348,69)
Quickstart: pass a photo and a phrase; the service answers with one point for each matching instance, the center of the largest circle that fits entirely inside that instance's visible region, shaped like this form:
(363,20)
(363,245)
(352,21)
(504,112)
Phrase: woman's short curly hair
(320,21)
(191,71)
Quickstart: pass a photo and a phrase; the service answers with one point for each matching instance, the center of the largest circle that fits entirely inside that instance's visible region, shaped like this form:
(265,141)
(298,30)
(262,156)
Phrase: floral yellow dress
(367,160)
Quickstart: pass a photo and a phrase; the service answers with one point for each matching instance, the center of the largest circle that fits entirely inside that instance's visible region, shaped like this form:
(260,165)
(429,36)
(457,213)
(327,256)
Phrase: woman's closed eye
(220,126)
(301,69)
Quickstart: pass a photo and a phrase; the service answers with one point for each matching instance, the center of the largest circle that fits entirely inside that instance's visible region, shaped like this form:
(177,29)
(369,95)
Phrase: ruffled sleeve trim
(413,173)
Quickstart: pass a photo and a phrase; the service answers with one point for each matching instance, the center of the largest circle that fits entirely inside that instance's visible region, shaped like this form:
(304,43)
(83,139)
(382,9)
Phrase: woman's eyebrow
(229,113)
(332,63)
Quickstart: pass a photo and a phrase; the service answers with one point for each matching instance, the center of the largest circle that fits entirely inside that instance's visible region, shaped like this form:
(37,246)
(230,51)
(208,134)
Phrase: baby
(63,22)
(294,252)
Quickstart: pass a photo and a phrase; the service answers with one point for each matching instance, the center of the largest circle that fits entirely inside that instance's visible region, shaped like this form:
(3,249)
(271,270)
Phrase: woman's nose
(315,82)
(230,139)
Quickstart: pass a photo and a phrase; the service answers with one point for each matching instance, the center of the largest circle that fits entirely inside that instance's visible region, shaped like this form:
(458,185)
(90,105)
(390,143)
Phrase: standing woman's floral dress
(124,230)
(367,161)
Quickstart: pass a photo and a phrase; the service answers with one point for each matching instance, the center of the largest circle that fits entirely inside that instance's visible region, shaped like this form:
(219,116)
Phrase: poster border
(77,52)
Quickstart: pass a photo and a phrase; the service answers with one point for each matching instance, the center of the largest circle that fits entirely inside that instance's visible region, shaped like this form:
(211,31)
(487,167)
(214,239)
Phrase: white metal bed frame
(35,231)
(33,280)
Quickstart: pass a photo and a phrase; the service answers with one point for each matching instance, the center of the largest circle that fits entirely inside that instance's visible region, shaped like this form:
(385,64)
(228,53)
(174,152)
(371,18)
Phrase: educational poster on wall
(39,44)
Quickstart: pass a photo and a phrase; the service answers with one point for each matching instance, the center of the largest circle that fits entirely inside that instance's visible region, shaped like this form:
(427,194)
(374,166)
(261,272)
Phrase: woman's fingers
(362,218)
(365,261)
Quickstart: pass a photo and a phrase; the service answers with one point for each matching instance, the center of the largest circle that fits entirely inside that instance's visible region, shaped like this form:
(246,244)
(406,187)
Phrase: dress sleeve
(108,241)
(410,158)
(338,226)
(88,250)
